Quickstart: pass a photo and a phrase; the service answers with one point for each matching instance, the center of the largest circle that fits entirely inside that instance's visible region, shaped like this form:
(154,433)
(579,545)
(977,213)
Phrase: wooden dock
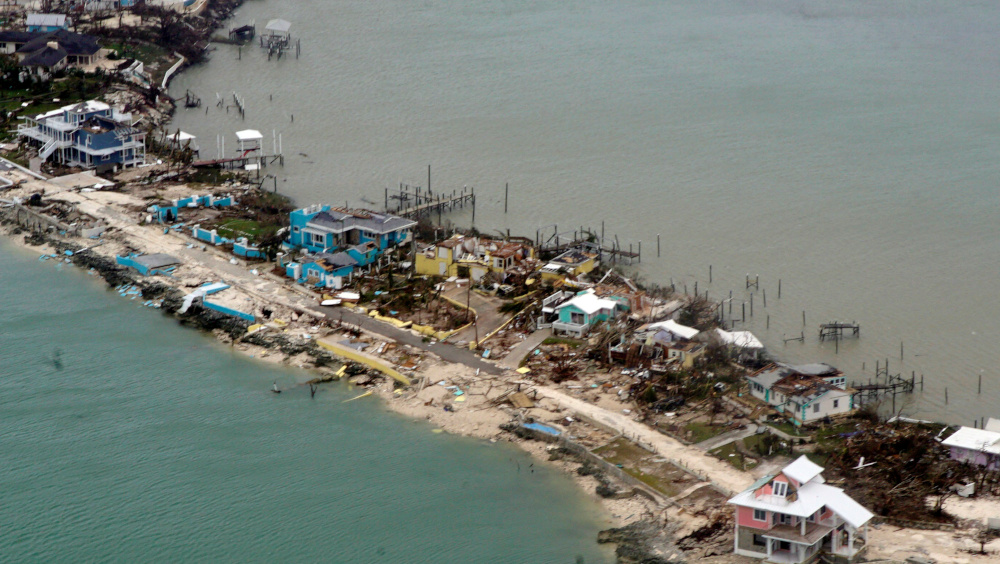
(883,386)
(415,201)
(240,162)
(837,330)
(607,249)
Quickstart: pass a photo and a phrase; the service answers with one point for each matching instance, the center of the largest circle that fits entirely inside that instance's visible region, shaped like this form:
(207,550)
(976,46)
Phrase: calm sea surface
(153,443)
(846,147)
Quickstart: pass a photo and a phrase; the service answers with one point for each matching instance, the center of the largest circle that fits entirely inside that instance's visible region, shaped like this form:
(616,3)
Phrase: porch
(576,329)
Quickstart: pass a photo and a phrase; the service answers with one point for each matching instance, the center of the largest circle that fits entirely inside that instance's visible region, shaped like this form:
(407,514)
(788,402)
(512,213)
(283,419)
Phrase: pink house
(794,516)
(976,446)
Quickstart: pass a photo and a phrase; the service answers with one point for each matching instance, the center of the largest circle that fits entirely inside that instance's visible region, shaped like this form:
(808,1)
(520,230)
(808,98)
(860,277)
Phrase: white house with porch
(794,516)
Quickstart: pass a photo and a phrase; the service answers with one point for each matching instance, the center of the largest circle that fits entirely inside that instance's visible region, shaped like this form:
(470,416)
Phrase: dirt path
(689,457)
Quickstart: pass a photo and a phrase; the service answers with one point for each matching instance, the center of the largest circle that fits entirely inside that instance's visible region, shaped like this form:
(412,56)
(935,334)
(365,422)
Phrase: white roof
(46,20)
(741,339)
(589,303)
(248,135)
(180,136)
(803,470)
(279,25)
(993,424)
(811,497)
(88,106)
(80,107)
(974,439)
(672,326)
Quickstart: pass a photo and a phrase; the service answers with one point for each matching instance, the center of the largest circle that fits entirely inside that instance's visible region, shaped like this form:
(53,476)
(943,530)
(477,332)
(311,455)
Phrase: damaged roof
(338,220)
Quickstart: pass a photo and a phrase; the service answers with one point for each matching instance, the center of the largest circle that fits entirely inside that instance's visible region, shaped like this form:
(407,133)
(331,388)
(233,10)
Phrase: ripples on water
(846,147)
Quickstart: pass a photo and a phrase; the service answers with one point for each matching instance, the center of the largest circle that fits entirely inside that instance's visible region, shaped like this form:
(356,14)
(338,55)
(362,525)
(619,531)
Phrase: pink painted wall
(745,517)
(973,456)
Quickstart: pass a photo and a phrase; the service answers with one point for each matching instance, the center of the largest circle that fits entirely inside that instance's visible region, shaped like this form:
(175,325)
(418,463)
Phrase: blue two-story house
(321,228)
(89,135)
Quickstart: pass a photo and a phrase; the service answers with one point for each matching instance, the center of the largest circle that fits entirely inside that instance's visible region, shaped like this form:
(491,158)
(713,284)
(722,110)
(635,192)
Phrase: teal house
(577,315)
(323,228)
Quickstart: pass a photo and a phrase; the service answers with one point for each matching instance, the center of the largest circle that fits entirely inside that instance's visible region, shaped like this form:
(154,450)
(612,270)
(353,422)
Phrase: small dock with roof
(277,38)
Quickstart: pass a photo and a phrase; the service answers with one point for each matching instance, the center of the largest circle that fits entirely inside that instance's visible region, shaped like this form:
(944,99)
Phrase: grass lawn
(572,343)
(704,431)
(641,464)
(234,228)
(145,52)
(728,453)
(787,427)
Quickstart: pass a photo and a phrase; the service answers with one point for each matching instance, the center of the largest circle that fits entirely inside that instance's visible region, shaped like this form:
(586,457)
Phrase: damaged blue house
(322,228)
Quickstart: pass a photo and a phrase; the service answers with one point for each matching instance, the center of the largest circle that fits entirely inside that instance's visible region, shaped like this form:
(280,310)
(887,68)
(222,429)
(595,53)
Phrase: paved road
(447,352)
(487,316)
(513,358)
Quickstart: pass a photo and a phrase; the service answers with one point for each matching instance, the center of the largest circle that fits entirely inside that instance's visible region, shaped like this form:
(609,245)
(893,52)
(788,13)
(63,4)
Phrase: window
(576,318)
(318,238)
(836,403)
(759,540)
(760,515)
(779,488)
(295,229)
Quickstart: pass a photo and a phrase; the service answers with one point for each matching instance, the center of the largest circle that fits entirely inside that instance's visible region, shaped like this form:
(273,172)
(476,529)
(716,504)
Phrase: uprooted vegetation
(912,473)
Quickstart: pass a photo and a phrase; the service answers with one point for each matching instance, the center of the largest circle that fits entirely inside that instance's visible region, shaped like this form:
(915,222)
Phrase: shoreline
(299,334)
(298,342)
(469,420)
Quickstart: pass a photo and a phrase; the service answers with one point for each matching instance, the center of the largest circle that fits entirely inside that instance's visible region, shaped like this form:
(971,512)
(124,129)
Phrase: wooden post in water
(640,253)
(657,245)
(709,272)
(506,190)
(696,288)
(744,312)
(901,350)
(768,321)
(946,395)
(803,318)
(980,383)
(779,288)
(751,305)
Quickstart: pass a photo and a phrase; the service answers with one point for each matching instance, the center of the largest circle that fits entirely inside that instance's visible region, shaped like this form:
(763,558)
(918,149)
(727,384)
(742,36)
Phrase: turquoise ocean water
(154,443)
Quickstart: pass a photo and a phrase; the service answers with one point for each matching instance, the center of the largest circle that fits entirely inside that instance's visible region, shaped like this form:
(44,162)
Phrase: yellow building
(479,255)
(570,264)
